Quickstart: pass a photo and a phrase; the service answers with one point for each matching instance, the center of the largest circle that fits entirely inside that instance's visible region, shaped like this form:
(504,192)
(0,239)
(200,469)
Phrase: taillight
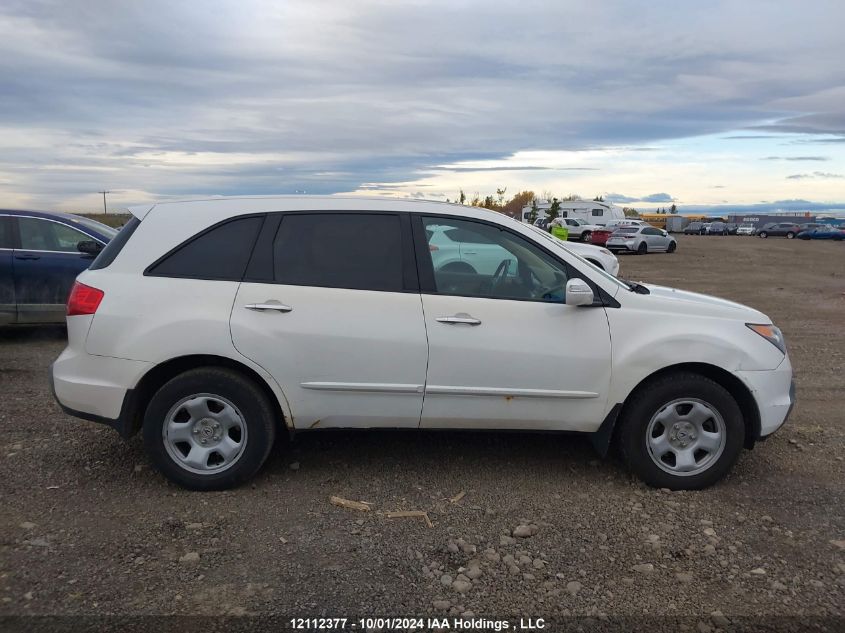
(83,299)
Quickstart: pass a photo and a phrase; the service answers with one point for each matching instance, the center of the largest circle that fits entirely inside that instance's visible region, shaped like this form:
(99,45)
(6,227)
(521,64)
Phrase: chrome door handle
(269,305)
(459,319)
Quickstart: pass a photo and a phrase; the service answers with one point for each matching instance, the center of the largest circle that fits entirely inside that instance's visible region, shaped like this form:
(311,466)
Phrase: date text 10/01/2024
(425,624)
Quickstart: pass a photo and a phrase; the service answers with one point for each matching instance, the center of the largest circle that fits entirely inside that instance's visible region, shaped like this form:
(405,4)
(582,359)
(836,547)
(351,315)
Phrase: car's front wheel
(586,236)
(672,246)
(209,428)
(681,431)
(790,235)
(764,234)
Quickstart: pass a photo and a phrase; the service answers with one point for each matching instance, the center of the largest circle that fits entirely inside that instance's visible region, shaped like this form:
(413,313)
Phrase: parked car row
(789,230)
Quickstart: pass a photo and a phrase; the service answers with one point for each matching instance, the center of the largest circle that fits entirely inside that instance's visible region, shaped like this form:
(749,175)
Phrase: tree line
(513,206)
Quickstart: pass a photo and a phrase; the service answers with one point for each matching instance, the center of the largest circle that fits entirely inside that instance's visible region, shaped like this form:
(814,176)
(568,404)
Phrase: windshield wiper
(634,286)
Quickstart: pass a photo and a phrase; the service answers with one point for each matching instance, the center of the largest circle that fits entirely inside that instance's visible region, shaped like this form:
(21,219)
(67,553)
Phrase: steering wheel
(500,274)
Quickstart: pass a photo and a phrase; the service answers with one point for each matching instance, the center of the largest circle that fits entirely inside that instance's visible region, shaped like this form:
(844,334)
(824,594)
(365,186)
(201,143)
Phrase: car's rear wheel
(790,235)
(586,236)
(672,246)
(763,234)
(642,249)
(209,428)
(681,431)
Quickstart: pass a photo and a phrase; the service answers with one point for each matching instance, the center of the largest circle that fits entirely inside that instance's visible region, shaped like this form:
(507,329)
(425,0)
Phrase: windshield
(105,229)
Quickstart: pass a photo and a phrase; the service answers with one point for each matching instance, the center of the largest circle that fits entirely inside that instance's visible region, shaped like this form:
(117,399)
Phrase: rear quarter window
(218,253)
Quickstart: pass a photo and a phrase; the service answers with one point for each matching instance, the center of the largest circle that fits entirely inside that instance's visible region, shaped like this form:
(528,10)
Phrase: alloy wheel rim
(686,437)
(204,433)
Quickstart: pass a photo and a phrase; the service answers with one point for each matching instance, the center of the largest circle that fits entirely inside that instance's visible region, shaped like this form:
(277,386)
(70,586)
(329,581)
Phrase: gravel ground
(88,529)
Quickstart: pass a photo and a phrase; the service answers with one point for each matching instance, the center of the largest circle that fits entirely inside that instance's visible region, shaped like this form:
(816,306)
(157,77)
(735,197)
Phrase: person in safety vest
(559,229)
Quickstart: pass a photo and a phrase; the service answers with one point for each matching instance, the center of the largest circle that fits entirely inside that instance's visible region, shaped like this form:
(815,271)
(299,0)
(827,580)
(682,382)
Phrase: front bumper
(774,392)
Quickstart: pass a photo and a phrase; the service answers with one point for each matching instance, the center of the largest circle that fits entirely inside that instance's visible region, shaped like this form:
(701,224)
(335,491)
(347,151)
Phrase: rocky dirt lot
(544,529)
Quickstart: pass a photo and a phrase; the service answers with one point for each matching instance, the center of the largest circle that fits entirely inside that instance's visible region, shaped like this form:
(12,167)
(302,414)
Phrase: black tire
(672,247)
(642,249)
(763,234)
(790,235)
(651,398)
(586,236)
(258,414)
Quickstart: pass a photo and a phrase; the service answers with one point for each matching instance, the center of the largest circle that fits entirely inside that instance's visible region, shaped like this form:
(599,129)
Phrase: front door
(504,350)
(7,274)
(46,264)
(337,319)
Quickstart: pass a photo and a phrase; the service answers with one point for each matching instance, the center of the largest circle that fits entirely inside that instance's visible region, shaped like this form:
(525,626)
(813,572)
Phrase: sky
(708,104)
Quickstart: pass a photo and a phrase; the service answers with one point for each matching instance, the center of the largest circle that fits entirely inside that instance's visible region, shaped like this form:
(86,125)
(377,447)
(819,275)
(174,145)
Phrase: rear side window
(357,251)
(220,253)
(116,245)
(6,233)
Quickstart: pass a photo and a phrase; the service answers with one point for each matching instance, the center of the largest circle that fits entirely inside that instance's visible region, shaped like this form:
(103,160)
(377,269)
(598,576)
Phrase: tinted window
(116,245)
(44,235)
(221,252)
(5,233)
(467,237)
(358,251)
(502,265)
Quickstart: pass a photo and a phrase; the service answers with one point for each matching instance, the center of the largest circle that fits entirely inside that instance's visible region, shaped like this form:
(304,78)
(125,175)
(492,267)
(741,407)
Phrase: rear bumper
(97,388)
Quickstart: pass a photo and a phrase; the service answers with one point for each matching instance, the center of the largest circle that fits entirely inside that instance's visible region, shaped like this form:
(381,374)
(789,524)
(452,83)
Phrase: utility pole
(105,211)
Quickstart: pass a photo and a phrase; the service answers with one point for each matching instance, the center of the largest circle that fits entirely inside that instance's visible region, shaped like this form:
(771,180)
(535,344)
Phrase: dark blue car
(823,233)
(41,253)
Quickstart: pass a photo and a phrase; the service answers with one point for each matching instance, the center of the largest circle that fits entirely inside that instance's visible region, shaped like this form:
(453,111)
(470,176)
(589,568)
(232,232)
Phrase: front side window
(43,235)
(500,265)
(219,253)
(357,251)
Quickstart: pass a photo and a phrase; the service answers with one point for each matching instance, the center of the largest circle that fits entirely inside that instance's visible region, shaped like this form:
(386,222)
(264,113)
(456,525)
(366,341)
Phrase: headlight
(770,333)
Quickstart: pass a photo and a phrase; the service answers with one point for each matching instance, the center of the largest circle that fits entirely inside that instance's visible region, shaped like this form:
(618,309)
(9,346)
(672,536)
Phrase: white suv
(215,326)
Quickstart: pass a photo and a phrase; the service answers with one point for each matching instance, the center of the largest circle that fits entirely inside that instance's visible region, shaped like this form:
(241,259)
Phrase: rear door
(46,263)
(7,275)
(331,308)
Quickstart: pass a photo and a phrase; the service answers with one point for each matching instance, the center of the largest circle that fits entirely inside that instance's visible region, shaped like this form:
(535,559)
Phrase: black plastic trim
(602,437)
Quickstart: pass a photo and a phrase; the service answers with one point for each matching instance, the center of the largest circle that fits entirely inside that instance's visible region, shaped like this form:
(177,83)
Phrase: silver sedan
(641,240)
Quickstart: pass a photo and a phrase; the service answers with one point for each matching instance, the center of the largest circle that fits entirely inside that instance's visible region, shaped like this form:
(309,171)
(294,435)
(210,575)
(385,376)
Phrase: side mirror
(89,247)
(579,293)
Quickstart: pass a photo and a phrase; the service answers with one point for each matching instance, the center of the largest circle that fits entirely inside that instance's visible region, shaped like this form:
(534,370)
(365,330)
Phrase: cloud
(658,197)
(655,197)
(815,174)
(797,158)
(253,96)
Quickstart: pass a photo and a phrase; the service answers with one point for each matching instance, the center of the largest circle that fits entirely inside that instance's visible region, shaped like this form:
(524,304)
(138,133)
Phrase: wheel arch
(738,389)
(151,381)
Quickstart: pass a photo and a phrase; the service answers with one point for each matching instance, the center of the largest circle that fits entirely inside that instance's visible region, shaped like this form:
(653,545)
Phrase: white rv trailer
(592,211)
